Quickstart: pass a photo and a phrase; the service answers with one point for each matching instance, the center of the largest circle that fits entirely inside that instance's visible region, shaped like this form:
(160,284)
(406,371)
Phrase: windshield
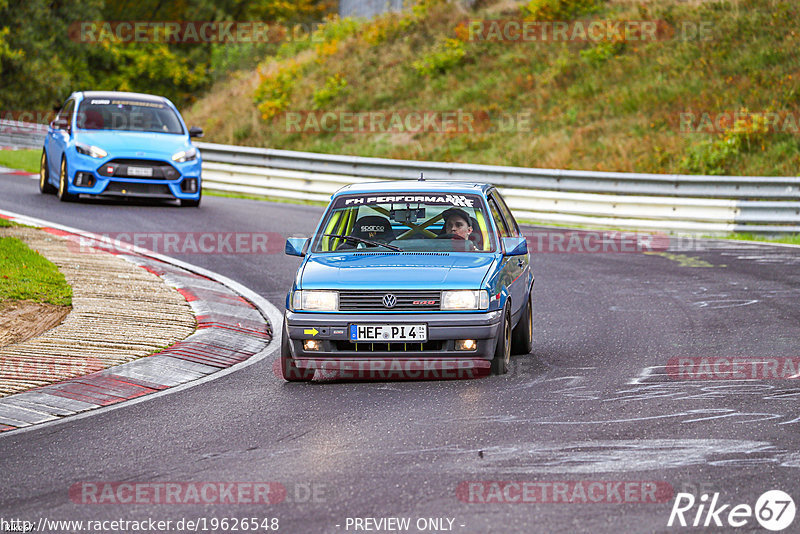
(407,222)
(128,115)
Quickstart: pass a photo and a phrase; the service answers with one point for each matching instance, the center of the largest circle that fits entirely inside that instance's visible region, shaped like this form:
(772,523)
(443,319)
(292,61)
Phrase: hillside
(714,89)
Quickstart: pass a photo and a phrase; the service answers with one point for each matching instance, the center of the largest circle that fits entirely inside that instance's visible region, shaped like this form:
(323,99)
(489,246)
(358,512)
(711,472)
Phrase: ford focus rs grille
(403,300)
(147,169)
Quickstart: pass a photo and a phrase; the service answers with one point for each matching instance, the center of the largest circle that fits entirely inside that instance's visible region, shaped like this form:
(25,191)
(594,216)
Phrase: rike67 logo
(774,510)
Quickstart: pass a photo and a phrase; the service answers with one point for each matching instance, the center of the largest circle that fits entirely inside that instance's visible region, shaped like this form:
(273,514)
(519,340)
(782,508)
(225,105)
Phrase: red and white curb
(17,172)
(233,332)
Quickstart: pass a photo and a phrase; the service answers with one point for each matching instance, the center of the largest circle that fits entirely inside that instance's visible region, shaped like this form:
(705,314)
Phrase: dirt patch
(21,320)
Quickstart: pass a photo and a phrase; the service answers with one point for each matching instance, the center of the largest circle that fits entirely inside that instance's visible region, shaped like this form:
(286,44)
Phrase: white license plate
(386,333)
(140,171)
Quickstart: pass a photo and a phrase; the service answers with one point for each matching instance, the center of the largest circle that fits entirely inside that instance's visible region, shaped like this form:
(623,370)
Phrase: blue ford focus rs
(426,279)
(115,144)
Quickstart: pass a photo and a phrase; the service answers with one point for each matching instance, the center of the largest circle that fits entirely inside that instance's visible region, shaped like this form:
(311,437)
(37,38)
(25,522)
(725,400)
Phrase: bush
(602,52)
(334,86)
(274,91)
(443,56)
(560,9)
(747,134)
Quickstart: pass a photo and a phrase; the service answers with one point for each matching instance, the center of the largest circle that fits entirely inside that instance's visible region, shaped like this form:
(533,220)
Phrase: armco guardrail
(15,134)
(712,204)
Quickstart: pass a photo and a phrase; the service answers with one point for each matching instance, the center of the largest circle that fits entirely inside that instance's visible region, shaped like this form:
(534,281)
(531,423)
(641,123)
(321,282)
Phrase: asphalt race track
(591,416)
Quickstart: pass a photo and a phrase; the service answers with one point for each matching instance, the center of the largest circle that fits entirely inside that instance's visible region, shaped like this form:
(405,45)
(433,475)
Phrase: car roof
(387,186)
(118,94)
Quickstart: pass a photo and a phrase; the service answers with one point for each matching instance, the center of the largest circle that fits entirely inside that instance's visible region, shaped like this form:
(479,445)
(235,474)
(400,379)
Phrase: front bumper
(184,184)
(331,330)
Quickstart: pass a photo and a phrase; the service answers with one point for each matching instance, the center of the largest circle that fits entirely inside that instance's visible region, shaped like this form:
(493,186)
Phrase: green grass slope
(579,104)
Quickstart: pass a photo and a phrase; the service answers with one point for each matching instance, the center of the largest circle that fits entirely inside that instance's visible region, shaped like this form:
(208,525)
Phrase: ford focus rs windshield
(128,115)
(407,222)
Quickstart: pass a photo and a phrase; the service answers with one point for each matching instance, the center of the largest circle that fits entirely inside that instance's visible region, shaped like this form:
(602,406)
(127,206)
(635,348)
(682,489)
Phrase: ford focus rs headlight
(315,300)
(87,150)
(185,155)
(465,300)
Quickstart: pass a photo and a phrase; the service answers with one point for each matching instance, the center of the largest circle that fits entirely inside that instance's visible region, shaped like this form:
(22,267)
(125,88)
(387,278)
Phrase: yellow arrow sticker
(312,331)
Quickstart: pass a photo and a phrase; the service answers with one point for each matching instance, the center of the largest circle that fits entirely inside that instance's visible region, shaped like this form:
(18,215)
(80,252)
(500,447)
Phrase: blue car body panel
(508,280)
(122,145)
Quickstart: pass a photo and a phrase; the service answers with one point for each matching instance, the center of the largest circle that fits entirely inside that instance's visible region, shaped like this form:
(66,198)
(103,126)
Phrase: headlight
(315,300)
(94,151)
(185,155)
(465,300)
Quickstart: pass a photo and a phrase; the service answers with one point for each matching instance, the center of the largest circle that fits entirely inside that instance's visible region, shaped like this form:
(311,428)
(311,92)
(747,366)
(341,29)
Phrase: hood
(132,144)
(396,271)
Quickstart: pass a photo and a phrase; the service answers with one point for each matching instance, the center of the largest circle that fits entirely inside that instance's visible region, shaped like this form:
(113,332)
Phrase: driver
(456,222)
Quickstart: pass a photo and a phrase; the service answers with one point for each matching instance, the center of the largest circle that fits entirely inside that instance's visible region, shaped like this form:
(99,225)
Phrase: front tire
(63,195)
(45,187)
(289,369)
(502,352)
(522,337)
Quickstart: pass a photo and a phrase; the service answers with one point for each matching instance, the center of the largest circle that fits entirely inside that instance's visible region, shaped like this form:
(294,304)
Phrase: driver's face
(457,225)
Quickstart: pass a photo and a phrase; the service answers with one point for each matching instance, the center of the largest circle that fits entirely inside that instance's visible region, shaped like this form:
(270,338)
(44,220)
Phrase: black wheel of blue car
(63,195)
(289,369)
(522,337)
(45,187)
(502,352)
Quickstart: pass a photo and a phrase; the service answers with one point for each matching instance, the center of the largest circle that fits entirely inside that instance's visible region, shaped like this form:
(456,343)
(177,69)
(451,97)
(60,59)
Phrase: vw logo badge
(389,300)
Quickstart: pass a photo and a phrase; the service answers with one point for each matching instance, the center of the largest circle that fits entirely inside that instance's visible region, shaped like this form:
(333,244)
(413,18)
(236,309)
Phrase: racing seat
(372,227)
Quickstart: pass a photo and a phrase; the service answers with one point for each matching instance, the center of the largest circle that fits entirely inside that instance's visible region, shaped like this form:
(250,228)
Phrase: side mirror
(297,246)
(195,131)
(515,246)
(60,124)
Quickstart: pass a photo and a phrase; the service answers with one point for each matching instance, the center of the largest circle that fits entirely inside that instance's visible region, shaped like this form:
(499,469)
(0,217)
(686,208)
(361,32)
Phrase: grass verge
(26,160)
(27,275)
(792,239)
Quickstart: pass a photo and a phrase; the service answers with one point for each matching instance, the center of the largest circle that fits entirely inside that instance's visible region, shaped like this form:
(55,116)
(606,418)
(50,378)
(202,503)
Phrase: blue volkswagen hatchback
(410,279)
(116,144)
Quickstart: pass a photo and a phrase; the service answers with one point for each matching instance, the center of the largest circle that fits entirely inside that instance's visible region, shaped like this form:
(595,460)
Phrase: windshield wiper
(365,241)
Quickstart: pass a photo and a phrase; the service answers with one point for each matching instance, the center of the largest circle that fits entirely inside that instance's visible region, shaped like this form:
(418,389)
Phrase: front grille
(139,162)
(429,346)
(373,300)
(161,170)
